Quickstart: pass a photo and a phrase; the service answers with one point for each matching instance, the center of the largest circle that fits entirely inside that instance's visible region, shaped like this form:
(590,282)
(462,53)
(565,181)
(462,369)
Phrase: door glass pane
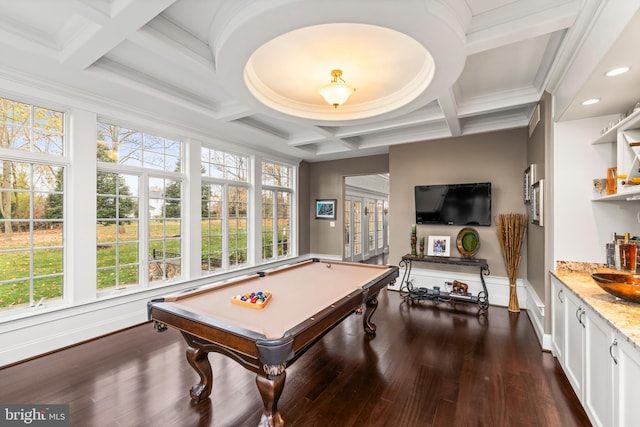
(347,229)
(357,227)
(371,216)
(379,222)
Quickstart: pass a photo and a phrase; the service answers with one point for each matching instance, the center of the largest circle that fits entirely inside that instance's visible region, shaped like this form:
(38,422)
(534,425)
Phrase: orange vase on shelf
(612,185)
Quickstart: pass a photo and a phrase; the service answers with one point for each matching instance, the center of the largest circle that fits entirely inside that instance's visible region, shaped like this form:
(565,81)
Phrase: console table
(410,293)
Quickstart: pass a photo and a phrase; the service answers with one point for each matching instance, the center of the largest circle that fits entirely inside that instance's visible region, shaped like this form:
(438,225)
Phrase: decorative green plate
(468,241)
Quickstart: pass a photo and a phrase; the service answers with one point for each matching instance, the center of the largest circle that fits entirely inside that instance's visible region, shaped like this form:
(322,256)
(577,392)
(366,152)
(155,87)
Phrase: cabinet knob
(560,291)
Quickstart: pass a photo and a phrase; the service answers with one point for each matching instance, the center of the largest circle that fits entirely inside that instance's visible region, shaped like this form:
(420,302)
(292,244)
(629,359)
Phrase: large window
(225,204)
(277,193)
(137,171)
(129,192)
(31,204)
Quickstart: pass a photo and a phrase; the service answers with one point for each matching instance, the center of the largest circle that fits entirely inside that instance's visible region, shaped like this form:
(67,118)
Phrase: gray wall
(498,157)
(538,245)
(326,181)
(303,208)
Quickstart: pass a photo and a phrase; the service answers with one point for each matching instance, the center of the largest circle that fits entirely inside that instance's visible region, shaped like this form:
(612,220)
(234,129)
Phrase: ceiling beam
(517,22)
(96,40)
(324,136)
(156,42)
(449,108)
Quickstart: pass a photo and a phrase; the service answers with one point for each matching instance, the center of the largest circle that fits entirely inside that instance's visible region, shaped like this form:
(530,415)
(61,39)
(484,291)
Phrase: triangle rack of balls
(257,300)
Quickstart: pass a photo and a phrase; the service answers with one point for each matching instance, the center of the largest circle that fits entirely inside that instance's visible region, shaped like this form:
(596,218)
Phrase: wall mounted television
(453,204)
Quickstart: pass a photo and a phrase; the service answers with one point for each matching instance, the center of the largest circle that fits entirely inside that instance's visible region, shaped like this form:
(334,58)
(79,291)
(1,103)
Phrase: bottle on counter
(612,252)
(628,255)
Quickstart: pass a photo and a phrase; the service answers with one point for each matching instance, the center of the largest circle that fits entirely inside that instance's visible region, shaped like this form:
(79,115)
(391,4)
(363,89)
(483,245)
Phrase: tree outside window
(31,205)
(135,166)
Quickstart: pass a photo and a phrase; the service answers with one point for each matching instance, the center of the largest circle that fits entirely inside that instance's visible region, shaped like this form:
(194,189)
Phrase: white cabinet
(574,341)
(557,319)
(627,379)
(602,366)
(598,369)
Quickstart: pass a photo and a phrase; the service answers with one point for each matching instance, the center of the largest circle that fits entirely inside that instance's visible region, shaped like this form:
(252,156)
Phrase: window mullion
(274,226)
(143,230)
(225,226)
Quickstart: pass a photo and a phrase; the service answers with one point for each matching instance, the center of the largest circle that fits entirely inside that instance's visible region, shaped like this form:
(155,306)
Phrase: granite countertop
(620,314)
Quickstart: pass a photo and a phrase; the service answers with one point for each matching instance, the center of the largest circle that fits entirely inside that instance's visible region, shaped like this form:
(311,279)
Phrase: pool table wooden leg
(198,359)
(270,390)
(372,305)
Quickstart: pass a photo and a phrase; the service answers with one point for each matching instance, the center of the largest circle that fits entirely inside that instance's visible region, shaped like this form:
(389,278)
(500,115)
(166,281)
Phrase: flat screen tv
(453,204)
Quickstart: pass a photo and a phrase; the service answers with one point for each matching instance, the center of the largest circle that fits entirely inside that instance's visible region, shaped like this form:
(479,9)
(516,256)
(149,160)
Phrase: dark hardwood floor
(428,366)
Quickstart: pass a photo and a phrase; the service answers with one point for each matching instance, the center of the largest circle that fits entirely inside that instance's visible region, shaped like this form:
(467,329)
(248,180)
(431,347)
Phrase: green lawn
(15,264)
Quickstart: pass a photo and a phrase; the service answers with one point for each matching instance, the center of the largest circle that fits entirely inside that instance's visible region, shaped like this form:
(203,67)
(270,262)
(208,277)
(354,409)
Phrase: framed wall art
(537,203)
(529,179)
(439,246)
(326,208)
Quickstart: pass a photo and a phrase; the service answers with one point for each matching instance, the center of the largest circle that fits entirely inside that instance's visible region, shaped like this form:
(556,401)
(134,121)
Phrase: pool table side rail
(289,267)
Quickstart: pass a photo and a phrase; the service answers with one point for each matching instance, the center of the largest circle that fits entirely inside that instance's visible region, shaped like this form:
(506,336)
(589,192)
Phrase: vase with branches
(511,230)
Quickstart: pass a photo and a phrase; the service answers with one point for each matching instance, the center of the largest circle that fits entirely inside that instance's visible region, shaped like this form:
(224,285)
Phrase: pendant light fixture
(338,91)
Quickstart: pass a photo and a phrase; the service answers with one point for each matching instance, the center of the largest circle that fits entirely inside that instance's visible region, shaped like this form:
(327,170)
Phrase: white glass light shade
(336,93)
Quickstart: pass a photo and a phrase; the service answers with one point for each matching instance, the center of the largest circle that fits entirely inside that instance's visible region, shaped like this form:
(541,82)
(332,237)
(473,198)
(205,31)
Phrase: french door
(365,227)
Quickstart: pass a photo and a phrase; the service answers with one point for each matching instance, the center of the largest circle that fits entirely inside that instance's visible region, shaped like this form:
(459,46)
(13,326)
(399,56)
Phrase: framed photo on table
(439,246)
(326,208)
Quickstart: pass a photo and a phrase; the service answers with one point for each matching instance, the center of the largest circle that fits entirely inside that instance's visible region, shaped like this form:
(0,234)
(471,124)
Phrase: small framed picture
(326,208)
(439,246)
(529,179)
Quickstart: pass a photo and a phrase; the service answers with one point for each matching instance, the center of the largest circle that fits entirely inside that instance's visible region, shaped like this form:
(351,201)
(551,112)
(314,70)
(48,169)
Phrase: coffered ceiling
(247,72)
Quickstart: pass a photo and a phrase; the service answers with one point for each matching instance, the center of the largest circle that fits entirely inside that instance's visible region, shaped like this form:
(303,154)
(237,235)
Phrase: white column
(81,208)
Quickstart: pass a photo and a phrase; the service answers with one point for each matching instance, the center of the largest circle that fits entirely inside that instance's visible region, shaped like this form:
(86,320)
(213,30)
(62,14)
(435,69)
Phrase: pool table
(307,299)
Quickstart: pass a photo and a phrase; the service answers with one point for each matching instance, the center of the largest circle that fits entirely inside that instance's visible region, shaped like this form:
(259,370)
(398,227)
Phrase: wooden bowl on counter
(625,286)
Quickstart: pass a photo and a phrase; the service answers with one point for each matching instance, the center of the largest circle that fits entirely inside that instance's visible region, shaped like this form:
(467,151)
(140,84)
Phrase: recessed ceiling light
(617,71)
(591,101)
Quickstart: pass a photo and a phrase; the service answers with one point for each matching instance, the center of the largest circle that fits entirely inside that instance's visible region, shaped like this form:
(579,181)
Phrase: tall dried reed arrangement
(511,228)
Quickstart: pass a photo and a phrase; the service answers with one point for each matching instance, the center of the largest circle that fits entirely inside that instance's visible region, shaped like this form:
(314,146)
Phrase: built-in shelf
(625,196)
(626,138)
(611,135)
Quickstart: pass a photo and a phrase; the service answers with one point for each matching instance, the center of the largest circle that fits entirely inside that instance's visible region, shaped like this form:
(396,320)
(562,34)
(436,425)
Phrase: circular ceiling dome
(274,57)
(387,68)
